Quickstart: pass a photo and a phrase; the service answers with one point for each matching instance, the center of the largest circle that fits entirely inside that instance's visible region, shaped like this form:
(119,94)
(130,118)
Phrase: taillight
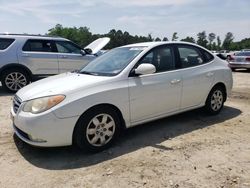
(248,59)
(230,58)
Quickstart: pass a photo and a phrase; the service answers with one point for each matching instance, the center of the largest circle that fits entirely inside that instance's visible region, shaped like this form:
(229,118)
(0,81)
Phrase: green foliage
(188,39)
(202,39)
(174,37)
(82,36)
(227,43)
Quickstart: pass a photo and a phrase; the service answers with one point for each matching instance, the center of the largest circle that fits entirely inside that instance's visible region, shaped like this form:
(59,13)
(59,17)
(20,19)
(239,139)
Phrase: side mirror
(145,68)
(82,52)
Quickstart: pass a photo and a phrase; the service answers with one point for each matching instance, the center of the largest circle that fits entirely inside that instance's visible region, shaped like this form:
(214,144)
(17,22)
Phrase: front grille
(16,103)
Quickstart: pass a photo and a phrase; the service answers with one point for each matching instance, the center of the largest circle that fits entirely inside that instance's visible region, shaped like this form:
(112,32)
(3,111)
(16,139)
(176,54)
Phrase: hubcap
(100,130)
(15,81)
(217,100)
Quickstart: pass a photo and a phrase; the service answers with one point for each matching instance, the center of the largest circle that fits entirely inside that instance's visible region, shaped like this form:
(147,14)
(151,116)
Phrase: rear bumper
(239,65)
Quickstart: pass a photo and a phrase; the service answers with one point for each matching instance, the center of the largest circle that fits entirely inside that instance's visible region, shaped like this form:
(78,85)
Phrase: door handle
(209,74)
(25,55)
(63,56)
(175,81)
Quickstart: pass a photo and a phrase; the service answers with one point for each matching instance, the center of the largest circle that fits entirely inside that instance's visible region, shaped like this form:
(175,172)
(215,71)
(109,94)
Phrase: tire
(14,79)
(215,100)
(97,129)
(233,69)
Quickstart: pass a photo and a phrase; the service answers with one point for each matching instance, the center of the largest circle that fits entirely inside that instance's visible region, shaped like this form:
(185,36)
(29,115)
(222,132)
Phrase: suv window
(34,45)
(190,56)
(67,47)
(5,43)
(161,57)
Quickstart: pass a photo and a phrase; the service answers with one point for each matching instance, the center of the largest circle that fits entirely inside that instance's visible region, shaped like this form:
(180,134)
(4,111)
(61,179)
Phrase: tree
(174,37)
(211,37)
(218,43)
(202,39)
(188,39)
(165,39)
(228,41)
(157,39)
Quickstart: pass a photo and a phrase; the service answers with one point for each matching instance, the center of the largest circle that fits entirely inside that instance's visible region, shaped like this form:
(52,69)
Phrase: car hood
(97,45)
(59,84)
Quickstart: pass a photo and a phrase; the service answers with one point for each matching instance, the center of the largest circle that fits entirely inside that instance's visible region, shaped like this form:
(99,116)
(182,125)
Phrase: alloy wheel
(100,130)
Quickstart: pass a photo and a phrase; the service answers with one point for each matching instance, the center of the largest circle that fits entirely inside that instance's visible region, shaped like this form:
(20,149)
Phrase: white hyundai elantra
(126,86)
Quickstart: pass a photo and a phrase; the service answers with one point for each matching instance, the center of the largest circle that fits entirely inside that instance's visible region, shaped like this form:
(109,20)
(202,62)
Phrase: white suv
(24,58)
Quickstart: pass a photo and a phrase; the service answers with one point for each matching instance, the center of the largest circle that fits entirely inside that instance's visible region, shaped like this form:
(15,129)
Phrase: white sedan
(125,87)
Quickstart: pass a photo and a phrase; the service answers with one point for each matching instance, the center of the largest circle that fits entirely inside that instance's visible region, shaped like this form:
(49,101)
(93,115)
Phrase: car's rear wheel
(215,100)
(14,79)
(233,69)
(97,129)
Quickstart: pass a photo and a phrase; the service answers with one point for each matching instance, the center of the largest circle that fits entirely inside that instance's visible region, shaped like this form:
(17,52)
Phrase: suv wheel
(97,129)
(14,79)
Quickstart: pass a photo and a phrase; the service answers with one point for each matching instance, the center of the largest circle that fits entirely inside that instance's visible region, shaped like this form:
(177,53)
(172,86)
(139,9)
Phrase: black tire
(82,139)
(233,69)
(214,105)
(9,76)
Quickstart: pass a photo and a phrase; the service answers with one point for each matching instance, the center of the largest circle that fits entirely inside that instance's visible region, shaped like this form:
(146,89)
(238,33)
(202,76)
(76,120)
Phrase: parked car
(124,87)
(240,60)
(24,58)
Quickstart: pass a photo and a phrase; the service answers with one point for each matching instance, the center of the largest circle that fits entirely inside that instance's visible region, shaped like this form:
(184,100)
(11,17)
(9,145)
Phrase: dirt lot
(187,150)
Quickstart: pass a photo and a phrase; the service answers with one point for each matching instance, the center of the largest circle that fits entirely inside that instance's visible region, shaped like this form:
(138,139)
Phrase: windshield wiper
(89,73)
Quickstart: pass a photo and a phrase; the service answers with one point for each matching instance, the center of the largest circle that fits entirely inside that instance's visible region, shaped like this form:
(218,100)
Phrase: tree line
(82,36)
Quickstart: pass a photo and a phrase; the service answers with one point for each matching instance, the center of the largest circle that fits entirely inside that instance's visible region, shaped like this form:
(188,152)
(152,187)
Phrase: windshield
(112,62)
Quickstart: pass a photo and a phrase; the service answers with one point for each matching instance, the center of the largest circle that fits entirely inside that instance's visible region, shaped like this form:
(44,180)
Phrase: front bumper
(45,129)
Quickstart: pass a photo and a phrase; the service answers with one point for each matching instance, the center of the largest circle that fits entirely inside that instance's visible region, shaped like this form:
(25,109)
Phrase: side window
(190,56)
(5,43)
(67,47)
(208,56)
(161,57)
(33,45)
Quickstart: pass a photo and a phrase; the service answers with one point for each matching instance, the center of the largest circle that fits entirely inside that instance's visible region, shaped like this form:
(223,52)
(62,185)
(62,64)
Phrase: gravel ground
(186,150)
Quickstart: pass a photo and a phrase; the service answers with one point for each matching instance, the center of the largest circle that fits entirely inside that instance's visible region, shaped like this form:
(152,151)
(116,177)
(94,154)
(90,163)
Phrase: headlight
(42,104)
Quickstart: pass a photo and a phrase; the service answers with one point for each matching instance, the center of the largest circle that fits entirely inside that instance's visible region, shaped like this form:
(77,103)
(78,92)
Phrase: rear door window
(5,43)
(33,45)
(190,56)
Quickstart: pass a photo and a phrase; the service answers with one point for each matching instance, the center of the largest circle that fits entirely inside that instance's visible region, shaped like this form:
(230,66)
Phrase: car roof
(29,36)
(153,44)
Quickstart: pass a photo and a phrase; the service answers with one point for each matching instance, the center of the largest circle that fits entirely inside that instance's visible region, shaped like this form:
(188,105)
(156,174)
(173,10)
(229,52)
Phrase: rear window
(5,43)
(243,54)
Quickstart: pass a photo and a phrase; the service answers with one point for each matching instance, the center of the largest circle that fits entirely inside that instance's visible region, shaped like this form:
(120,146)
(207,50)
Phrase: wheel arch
(123,124)
(223,86)
(15,66)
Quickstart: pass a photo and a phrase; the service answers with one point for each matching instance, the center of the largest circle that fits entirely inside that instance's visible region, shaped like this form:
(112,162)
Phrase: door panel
(197,75)
(40,56)
(196,84)
(159,93)
(70,56)
(69,62)
(154,95)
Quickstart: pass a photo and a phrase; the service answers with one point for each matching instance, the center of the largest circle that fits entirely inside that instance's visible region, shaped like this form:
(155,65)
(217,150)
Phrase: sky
(161,18)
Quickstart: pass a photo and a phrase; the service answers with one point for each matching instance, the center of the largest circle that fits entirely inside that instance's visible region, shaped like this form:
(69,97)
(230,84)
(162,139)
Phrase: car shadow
(242,71)
(4,93)
(150,134)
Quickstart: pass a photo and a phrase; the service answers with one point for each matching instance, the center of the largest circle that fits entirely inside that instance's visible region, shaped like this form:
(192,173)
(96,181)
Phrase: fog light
(36,139)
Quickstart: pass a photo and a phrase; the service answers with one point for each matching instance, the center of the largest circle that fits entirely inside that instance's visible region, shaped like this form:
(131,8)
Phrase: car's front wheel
(215,100)
(14,79)
(97,129)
